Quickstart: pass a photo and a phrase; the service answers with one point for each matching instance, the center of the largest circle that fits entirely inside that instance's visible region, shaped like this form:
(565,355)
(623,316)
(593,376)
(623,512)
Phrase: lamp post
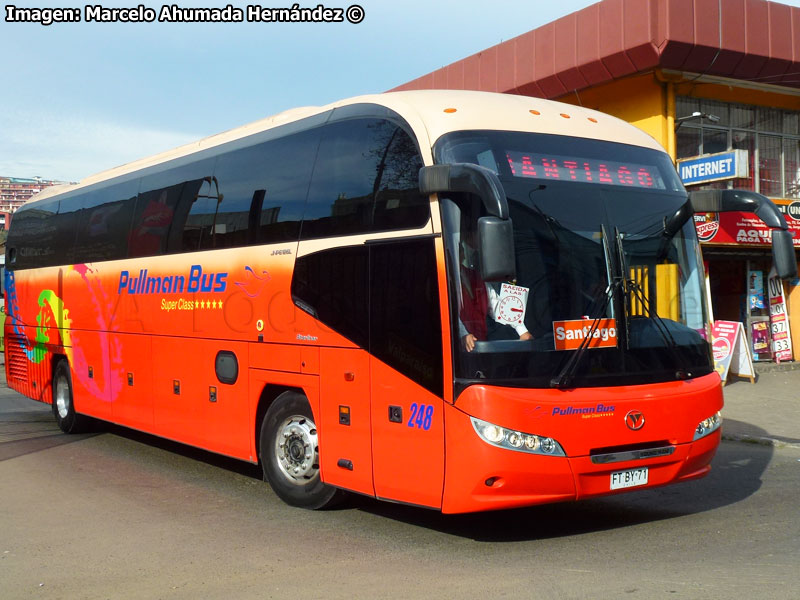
(695,115)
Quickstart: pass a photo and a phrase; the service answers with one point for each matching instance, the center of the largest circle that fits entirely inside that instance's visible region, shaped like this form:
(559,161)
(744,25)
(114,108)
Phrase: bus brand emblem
(634,420)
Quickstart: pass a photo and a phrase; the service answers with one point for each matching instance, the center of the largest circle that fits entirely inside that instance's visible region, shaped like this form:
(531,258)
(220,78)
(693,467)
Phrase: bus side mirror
(783,256)
(496,237)
(495,232)
(469,178)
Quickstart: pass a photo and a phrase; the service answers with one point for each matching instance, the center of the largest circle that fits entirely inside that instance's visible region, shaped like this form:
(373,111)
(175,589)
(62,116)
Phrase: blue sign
(714,167)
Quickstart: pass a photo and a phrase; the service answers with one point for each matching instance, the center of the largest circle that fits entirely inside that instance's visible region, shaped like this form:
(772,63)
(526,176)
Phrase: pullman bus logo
(634,420)
(707,225)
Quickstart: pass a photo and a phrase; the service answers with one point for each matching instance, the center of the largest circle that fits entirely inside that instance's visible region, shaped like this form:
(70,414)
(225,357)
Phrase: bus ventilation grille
(17,360)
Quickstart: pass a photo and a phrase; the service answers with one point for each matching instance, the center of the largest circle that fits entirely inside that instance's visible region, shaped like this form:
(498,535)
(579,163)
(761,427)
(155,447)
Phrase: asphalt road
(116,514)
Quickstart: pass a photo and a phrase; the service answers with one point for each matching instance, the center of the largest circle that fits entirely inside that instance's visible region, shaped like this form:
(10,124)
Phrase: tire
(63,405)
(290,454)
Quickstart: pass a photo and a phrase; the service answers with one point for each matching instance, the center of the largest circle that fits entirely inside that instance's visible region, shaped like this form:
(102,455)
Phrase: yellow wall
(640,100)
(729,93)
(648,100)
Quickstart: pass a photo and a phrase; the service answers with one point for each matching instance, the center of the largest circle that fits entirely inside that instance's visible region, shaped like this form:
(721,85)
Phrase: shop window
(768,119)
(791,123)
(719,109)
(688,142)
(769,165)
(791,167)
(743,140)
(685,107)
(743,117)
(714,141)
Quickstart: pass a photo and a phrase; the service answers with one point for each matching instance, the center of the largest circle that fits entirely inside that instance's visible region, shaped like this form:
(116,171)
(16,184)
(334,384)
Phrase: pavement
(766,412)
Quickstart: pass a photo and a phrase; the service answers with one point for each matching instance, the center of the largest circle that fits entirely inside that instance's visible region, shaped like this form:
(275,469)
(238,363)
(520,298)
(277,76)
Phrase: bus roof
(431,113)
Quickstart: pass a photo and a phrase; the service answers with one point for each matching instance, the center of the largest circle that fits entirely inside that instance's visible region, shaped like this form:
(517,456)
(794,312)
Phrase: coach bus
(457,300)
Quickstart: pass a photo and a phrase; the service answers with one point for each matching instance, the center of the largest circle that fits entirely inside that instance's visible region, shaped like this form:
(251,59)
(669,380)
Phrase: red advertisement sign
(744,228)
(730,350)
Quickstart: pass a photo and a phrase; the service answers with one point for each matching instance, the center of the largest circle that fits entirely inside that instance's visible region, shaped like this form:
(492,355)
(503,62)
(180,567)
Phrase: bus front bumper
(482,477)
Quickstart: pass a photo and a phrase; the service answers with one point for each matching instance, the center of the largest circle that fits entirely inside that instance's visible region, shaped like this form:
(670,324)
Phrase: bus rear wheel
(63,405)
(290,454)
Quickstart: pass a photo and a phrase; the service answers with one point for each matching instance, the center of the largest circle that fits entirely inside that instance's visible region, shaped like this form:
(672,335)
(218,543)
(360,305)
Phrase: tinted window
(200,229)
(103,222)
(32,237)
(383,297)
(332,286)
(240,177)
(405,324)
(287,171)
(365,179)
(165,199)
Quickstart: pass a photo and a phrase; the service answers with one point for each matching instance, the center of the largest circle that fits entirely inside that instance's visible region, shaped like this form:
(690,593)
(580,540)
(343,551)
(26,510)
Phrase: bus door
(345,419)
(406,372)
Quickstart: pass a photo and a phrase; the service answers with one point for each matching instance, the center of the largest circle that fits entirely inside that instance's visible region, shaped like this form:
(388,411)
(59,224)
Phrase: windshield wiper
(565,376)
(633,287)
(661,327)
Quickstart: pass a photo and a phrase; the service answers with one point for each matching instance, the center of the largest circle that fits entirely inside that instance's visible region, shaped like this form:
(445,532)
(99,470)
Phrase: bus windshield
(609,281)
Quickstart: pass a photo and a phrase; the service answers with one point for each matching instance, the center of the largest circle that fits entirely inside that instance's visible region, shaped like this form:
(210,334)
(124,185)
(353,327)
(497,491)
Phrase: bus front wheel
(290,454)
(63,405)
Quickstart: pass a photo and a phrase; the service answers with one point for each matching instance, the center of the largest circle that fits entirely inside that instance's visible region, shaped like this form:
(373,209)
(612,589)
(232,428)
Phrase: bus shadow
(25,432)
(209,458)
(736,474)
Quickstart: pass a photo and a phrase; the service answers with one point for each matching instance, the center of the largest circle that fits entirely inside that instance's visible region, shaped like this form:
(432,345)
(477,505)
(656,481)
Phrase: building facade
(716,82)
(15,191)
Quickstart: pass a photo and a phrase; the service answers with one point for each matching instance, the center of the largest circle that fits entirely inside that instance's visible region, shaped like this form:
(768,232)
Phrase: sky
(79,98)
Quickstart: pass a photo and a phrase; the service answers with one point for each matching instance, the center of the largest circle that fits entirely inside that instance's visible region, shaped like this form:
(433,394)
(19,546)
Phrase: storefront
(717,83)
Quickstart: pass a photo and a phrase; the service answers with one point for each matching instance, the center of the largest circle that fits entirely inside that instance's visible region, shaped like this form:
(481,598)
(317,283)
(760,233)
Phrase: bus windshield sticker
(570,334)
(511,305)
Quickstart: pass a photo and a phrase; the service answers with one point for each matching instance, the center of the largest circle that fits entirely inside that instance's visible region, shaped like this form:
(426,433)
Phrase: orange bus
(456,300)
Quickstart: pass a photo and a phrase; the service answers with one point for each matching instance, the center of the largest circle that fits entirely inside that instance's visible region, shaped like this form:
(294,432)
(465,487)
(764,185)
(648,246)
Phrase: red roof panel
(746,39)
(506,60)
(488,72)
(588,46)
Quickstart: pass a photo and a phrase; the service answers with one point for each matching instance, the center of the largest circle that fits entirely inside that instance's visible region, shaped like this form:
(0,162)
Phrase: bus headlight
(511,439)
(706,426)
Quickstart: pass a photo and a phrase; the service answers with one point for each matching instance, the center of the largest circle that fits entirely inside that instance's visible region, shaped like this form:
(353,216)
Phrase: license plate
(629,478)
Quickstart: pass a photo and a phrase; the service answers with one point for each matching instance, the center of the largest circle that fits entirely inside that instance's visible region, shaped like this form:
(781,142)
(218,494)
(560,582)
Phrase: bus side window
(155,210)
(398,203)
(104,222)
(165,199)
(242,176)
(200,228)
(32,239)
(362,177)
(287,164)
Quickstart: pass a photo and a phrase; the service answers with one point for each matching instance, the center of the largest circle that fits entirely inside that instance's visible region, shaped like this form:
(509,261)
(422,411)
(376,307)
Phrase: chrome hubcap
(297,450)
(62,396)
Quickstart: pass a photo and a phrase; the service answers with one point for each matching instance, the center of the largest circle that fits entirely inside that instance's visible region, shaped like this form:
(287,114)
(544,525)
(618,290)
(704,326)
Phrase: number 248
(421,416)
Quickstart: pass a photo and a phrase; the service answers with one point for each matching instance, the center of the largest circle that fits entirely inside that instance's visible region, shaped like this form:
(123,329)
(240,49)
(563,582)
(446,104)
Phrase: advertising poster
(759,333)
(731,352)
(756,290)
(744,228)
